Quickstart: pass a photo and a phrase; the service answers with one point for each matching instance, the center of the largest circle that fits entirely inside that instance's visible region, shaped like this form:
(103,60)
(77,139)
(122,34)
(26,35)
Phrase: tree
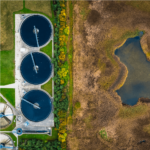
(54,7)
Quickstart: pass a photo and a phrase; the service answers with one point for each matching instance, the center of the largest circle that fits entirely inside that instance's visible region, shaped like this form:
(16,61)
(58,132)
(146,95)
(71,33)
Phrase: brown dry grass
(7,36)
(96,69)
(133,111)
(139,5)
(40,6)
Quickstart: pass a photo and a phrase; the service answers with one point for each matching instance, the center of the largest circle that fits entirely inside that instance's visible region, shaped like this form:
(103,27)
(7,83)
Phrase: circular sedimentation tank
(43,29)
(36,68)
(6,115)
(6,142)
(36,105)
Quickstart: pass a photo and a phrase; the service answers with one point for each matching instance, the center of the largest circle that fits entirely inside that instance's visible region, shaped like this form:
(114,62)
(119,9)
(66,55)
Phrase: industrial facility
(33,68)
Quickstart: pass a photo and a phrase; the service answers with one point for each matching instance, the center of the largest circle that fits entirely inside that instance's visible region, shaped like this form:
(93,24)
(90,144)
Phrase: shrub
(103,134)
(77,105)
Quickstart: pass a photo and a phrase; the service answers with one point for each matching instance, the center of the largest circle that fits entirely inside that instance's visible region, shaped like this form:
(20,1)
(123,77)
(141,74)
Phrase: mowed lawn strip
(48,50)
(41,136)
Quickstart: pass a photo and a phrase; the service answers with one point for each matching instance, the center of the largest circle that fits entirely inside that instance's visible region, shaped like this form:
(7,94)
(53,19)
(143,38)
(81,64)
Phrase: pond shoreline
(123,71)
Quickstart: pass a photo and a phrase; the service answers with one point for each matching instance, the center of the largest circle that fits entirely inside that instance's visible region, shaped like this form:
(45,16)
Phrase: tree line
(34,144)
(61,75)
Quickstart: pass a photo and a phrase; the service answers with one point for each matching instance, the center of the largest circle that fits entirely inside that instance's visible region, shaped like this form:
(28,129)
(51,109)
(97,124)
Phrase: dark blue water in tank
(137,83)
(44,102)
(42,24)
(44,68)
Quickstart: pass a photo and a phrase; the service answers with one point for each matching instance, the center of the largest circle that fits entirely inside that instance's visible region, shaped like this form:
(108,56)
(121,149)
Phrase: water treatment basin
(36,68)
(43,29)
(36,105)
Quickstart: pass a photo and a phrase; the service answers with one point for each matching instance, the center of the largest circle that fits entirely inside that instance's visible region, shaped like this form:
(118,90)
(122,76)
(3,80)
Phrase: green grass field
(2,100)
(9,94)
(7,66)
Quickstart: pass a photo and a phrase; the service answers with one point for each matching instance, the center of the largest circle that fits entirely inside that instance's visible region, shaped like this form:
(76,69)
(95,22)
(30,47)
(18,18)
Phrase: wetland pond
(137,83)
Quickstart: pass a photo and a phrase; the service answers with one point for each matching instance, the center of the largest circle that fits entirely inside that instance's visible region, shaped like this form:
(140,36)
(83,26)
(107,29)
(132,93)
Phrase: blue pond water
(44,68)
(44,102)
(137,83)
(42,24)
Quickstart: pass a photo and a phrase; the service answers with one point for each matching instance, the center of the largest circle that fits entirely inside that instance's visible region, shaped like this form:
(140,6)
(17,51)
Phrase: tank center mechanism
(3,115)
(36,32)
(35,66)
(36,105)
(2,146)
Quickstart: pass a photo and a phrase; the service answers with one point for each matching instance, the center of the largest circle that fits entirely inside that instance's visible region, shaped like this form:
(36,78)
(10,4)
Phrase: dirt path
(69,119)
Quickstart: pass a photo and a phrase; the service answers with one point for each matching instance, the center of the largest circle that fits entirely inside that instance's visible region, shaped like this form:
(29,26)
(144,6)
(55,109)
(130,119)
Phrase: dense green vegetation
(60,70)
(33,144)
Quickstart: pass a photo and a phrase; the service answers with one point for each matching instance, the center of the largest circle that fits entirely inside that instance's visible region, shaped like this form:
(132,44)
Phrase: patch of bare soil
(90,1)
(99,107)
(94,17)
